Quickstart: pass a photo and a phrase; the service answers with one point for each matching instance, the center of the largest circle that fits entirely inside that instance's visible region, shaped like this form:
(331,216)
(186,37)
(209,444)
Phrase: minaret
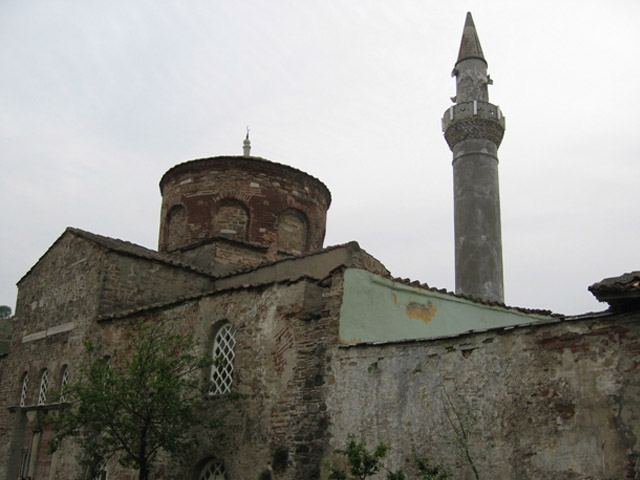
(473,128)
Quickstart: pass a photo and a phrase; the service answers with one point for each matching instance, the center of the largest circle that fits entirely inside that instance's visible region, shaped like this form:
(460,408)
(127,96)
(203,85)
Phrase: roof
(470,43)
(122,247)
(329,261)
(256,161)
(622,292)
(533,311)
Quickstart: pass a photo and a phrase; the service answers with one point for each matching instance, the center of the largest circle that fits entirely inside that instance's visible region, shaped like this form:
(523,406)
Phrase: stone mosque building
(322,343)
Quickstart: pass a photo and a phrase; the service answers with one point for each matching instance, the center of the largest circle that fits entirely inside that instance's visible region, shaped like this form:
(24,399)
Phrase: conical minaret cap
(470,43)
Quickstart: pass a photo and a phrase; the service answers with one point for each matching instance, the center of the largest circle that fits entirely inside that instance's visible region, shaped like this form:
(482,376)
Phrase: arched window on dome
(44,387)
(213,470)
(176,227)
(223,353)
(24,386)
(292,231)
(231,219)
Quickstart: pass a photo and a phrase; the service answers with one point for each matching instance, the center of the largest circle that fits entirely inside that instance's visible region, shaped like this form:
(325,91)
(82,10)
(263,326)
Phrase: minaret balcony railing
(474,109)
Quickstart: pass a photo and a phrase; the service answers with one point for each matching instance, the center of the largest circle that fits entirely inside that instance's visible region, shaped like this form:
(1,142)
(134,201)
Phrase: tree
(362,464)
(136,407)
(5,312)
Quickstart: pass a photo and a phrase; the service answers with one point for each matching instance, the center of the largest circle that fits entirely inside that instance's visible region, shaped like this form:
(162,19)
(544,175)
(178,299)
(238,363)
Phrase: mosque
(321,344)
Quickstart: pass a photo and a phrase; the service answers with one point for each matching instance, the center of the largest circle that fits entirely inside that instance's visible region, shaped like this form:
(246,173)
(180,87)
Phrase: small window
(23,391)
(231,219)
(44,386)
(64,380)
(213,470)
(176,227)
(292,232)
(223,352)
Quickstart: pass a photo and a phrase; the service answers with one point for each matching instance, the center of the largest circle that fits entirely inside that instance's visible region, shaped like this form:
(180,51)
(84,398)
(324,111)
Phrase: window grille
(63,382)
(23,392)
(44,385)
(213,471)
(223,354)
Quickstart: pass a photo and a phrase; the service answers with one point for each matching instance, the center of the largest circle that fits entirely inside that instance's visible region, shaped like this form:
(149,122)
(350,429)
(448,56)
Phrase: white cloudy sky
(99,99)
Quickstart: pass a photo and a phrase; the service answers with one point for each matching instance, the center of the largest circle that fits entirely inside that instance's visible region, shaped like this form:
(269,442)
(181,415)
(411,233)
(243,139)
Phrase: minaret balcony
(476,120)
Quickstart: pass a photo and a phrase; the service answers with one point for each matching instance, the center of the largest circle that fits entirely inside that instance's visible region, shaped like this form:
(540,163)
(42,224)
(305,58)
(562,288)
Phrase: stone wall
(57,302)
(132,282)
(555,401)
(282,333)
(64,286)
(221,256)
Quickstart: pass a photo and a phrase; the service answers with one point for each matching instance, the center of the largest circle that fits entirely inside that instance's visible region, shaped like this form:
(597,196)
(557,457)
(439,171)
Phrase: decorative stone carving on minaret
(246,145)
(474,128)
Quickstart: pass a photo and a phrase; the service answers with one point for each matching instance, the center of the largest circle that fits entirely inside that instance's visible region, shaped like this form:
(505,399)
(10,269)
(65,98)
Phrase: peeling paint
(424,312)
(395,299)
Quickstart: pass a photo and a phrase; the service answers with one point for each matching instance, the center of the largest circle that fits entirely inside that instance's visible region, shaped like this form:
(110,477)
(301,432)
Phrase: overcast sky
(99,99)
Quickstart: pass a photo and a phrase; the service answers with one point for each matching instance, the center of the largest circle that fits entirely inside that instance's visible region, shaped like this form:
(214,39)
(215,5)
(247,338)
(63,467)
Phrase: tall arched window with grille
(23,389)
(44,386)
(213,470)
(223,352)
(64,380)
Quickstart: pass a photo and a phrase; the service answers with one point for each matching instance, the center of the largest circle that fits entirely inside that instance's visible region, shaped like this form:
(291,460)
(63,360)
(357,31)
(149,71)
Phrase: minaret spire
(470,43)
(246,145)
(474,128)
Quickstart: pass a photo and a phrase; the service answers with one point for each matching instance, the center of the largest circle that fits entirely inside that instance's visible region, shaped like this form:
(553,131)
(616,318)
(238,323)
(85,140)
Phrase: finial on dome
(246,145)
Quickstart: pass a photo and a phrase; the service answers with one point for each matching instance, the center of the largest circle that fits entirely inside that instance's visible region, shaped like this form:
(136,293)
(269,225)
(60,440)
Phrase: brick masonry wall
(206,187)
(557,402)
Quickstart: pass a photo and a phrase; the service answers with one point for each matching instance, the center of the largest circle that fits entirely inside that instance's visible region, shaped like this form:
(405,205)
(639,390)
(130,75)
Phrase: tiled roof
(123,247)
(534,311)
(128,248)
(257,160)
(187,298)
(624,283)
(621,293)
(241,269)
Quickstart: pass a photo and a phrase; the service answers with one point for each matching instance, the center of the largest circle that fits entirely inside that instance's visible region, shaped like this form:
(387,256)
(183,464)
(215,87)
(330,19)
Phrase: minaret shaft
(473,129)
(478,237)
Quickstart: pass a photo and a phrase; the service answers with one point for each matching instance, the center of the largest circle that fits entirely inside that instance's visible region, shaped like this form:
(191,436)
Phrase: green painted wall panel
(375,309)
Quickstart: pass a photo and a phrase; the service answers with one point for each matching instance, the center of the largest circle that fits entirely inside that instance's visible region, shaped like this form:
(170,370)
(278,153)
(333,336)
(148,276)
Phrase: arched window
(213,470)
(64,380)
(44,386)
(223,352)
(176,227)
(292,232)
(231,220)
(23,390)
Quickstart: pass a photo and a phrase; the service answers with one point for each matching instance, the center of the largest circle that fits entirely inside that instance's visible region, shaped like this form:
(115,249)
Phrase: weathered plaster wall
(376,309)
(554,401)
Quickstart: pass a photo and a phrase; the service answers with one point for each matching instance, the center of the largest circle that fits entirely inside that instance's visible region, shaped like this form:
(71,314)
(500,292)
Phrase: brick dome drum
(246,199)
